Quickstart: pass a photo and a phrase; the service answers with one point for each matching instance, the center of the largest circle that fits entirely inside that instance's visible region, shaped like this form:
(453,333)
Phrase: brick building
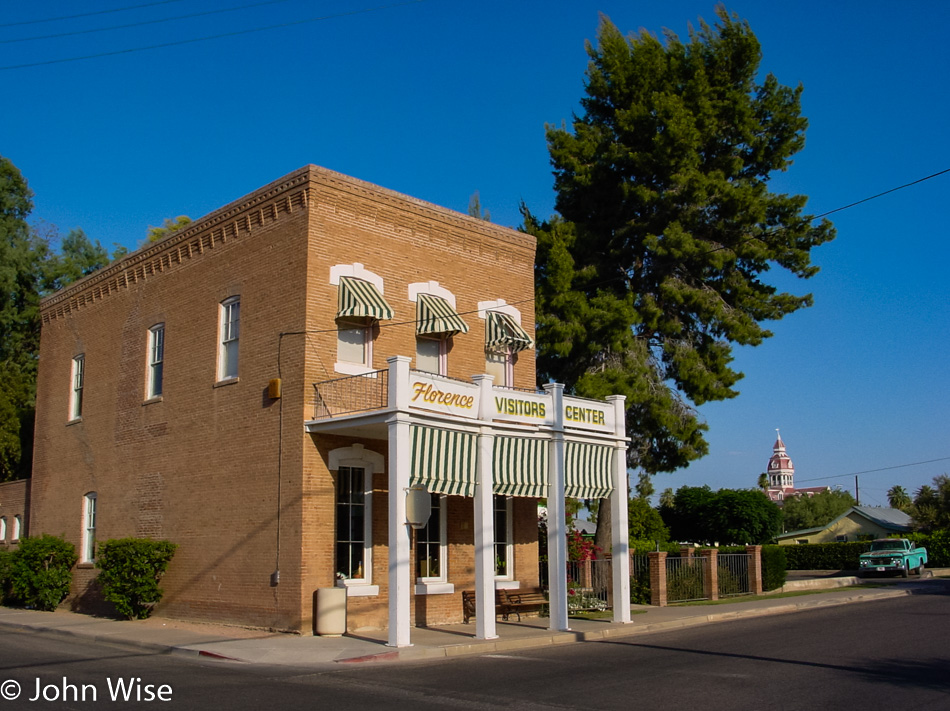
(243,388)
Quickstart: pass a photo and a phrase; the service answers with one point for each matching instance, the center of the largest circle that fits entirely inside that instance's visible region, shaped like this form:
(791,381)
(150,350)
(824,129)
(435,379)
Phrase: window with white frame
(156,359)
(432,355)
(353,521)
(504,546)
(78,380)
(355,343)
(17,524)
(89,528)
(3,529)
(431,546)
(230,331)
(500,365)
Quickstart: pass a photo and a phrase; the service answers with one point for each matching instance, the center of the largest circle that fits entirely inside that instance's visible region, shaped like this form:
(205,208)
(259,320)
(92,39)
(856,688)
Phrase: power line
(87,14)
(871,471)
(142,23)
(212,37)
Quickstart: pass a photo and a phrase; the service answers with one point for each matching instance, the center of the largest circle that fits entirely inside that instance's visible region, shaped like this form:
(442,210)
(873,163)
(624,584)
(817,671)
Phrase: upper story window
(230,332)
(78,379)
(437,322)
(88,552)
(156,359)
(359,309)
(504,339)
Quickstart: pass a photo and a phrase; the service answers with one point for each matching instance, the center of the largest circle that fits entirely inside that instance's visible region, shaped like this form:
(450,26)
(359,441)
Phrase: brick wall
(215,466)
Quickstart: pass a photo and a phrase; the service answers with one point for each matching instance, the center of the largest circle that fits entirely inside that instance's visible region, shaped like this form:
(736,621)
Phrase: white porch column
(400,573)
(557,519)
(620,530)
(484,518)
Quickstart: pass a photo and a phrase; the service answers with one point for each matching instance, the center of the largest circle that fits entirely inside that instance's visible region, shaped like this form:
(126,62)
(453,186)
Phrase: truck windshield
(886,546)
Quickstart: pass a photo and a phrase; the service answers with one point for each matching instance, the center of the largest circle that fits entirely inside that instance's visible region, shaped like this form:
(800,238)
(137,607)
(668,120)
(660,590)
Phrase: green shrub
(130,570)
(40,571)
(937,545)
(826,556)
(774,567)
(6,569)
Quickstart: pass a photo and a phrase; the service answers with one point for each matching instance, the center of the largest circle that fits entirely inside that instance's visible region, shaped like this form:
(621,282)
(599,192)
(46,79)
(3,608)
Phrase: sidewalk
(260,647)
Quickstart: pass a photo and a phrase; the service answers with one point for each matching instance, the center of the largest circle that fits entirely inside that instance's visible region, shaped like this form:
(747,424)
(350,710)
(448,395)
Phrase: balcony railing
(354,393)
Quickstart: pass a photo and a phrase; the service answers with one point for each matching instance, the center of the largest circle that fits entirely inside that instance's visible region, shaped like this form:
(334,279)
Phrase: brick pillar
(585,580)
(755,569)
(710,573)
(687,552)
(657,578)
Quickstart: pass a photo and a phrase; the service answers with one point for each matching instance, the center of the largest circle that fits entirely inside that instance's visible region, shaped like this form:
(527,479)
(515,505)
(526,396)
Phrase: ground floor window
(89,528)
(352,522)
(431,544)
(504,553)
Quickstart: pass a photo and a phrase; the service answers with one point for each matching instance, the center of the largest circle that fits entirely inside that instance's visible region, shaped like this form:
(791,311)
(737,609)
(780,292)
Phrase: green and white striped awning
(587,471)
(436,315)
(502,332)
(443,460)
(360,298)
(520,466)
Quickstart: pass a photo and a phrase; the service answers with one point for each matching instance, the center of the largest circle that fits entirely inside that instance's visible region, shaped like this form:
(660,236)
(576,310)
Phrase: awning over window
(362,299)
(443,461)
(520,466)
(503,332)
(587,471)
(436,315)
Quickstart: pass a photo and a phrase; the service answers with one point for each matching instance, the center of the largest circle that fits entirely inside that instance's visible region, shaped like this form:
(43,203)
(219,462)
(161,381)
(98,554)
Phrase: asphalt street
(888,654)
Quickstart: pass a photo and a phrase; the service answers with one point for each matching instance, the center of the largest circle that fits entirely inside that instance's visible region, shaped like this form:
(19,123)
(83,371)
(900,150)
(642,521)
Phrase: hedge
(774,565)
(130,570)
(40,571)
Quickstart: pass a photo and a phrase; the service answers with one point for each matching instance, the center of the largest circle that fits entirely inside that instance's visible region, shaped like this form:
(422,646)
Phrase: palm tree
(763,481)
(898,497)
(667,498)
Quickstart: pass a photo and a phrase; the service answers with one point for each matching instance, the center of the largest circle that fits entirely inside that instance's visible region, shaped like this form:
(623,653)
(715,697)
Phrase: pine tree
(655,265)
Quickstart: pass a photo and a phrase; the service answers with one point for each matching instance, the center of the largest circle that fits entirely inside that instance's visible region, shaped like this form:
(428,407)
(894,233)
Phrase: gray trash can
(329,618)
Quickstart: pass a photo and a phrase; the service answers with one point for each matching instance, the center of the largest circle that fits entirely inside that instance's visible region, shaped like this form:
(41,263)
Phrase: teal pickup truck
(893,555)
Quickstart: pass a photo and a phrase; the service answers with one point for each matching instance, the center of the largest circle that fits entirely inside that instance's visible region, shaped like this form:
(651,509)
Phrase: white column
(400,573)
(620,530)
(557,519)
(484,518)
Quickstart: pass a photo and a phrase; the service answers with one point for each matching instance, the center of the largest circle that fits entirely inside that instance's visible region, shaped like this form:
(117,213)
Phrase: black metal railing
(354,393)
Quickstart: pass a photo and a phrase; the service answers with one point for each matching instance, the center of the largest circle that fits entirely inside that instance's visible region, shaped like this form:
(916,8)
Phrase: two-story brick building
(263,387)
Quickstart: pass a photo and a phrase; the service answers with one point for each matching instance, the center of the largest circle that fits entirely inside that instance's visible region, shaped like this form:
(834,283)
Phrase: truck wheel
(920,570)
(906,571)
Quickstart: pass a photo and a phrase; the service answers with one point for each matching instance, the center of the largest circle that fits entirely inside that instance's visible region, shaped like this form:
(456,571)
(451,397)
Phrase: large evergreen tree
(655,264)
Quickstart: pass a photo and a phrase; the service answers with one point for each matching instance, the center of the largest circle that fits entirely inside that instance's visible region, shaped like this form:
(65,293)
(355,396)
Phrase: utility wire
(871,471)
(142,23)
(212,37)
(87,14)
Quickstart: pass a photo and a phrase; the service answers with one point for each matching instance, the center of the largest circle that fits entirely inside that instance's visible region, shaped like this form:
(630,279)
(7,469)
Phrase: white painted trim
(498,305)
(434,588)
(357,271)
(356,456)
(362,590)
(507,584)
(430,287)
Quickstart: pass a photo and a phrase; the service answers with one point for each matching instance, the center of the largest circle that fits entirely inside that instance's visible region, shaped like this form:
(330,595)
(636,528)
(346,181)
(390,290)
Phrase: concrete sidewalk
(159,635)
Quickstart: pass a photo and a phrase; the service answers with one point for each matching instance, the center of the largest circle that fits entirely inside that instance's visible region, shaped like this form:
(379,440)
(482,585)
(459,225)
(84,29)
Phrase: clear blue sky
(440,98)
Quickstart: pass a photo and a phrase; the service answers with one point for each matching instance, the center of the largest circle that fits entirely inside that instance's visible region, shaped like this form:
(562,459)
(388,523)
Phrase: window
(355,344)
(17,522)
(3,529)
(430,544)
(75,397)
(352,526)
(156,359)
(432,355)
(230,334)
(501,366)
(504,553)
(89,528)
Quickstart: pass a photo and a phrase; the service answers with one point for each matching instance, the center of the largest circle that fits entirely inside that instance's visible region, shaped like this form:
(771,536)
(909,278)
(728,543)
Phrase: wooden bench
(468,604)
(518,601)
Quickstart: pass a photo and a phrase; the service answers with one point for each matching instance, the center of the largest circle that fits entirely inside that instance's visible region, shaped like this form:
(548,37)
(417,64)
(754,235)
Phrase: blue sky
(440,98)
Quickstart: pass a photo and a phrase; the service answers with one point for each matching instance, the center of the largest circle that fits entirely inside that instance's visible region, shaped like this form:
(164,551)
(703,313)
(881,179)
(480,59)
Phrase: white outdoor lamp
(418,506)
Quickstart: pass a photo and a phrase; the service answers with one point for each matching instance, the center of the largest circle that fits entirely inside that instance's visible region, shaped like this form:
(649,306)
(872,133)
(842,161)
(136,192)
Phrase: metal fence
(733,574)
(356,393)
(685,579)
